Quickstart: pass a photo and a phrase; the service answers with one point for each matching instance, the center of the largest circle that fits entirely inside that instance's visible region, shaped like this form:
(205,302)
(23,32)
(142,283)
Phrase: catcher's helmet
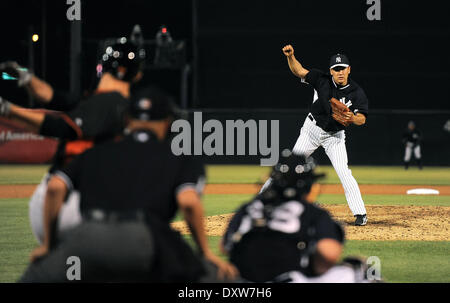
(292,177)
(125,54)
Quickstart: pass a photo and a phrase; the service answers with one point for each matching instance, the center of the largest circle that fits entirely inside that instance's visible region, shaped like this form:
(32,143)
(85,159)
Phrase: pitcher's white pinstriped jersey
(320,129)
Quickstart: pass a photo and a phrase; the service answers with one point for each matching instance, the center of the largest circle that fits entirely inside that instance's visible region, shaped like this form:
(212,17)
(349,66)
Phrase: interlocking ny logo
(348,103)
(338,59)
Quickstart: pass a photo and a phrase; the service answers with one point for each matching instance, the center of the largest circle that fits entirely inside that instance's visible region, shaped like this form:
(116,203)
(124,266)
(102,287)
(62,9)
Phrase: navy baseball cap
(339,60)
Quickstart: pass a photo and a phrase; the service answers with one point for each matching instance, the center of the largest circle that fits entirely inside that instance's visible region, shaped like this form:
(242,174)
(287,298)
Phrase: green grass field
(401,261)
(32,174)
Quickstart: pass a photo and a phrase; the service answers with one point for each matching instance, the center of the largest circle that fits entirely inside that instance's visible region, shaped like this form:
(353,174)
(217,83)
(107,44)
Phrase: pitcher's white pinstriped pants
(311,137)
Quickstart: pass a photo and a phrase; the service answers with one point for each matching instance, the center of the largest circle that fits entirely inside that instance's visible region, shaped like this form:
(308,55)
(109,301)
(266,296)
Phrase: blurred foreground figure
(130,191)
(95,120)
(281,236)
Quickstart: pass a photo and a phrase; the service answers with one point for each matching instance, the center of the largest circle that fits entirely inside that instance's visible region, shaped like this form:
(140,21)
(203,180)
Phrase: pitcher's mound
(422,223)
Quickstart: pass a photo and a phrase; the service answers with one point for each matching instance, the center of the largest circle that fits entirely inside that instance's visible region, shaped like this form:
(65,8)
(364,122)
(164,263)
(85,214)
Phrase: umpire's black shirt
(324,89)
(138,172)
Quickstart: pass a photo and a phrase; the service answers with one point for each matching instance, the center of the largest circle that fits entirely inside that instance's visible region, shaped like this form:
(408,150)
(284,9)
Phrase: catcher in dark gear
(292,177)
(281,236)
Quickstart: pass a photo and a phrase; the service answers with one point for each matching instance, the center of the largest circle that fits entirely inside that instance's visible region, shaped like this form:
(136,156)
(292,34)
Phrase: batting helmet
(123,59)
(292,177)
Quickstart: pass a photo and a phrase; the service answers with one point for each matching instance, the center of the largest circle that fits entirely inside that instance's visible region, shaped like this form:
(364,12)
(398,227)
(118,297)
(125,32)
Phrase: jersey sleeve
(62,101)
(327,228)
(313,78)
(191,176)
(100,115)
(362,104)
(59,126)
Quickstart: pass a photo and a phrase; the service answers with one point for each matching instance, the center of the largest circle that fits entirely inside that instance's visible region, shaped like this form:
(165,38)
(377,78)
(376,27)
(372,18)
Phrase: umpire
(281,236)
(130,191)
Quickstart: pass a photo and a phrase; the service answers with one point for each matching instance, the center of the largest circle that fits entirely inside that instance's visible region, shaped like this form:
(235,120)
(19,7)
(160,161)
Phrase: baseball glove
(340,112)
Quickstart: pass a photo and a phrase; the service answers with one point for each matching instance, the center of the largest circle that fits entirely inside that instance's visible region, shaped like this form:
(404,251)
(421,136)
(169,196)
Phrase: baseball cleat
(361,220)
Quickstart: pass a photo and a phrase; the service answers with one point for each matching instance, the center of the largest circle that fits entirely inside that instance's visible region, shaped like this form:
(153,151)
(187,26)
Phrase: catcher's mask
(292,177)
(123,59)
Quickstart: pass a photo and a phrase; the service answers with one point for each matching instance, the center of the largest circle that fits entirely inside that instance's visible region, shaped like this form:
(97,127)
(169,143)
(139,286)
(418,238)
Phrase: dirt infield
(26,190)
(17,191)
(420,223)
(366,189)
(423,223)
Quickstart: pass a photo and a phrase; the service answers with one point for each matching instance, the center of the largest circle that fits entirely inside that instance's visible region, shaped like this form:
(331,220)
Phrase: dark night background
(234,50)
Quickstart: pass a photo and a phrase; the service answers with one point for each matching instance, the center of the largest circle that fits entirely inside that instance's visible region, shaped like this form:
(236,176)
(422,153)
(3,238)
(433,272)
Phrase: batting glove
(16,71)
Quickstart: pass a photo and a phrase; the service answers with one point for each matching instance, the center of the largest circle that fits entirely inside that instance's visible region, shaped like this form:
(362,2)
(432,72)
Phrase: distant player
(412,138)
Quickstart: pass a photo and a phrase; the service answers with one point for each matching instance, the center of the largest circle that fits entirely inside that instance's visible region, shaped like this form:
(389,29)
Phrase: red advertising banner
(17,145)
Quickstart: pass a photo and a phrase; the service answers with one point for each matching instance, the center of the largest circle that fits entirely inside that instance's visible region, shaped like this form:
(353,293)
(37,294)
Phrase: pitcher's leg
(308,141)
(337,153)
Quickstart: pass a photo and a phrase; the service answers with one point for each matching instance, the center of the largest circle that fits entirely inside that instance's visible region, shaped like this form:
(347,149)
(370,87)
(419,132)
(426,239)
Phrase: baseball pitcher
(338,102)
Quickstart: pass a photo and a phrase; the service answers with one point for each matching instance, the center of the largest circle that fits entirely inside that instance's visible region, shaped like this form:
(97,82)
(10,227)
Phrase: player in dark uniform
(281,236)
(94,120)
(412,139)
(130,191)
(320,128)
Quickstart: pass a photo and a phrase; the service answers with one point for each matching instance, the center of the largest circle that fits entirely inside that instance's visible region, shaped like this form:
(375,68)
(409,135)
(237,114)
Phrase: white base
(422,191)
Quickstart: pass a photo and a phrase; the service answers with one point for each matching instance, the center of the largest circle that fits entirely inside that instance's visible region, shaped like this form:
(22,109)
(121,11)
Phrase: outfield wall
(379,142)
(17,145)
(376,143)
